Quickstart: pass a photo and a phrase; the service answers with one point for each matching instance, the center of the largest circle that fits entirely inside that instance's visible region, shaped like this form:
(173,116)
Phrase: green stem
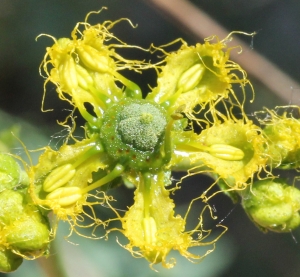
(96,149)
(109,177)
(168,101)
(146,190)
(168,142)
(132,89)
(86,115)
(191,146)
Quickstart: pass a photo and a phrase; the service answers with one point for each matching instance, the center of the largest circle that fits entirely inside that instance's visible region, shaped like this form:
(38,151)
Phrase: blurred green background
(243,250)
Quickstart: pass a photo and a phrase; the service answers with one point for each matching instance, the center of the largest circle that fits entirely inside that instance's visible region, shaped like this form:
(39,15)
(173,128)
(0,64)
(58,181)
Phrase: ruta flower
(139,141)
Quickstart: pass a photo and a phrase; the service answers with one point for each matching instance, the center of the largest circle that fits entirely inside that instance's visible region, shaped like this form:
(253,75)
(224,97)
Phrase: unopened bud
(274,205)
(29,233)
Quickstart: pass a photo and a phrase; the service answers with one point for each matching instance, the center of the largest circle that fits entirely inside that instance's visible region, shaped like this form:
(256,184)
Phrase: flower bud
(9,172)
(23,228)
(273,205)
(283,133)
(29,233)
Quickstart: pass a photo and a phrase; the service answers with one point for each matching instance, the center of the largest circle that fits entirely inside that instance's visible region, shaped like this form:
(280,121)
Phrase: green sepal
(9,261)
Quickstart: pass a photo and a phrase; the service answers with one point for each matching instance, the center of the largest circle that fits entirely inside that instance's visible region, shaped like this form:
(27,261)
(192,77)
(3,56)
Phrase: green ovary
(141,126)
(133,132)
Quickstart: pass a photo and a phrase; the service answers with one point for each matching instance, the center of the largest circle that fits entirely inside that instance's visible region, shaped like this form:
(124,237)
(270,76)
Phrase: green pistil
(133,133)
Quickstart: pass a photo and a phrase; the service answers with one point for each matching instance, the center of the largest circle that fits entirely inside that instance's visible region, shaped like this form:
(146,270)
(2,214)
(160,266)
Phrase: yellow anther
(84,78)
(149,226)
(59,177)
(226,152)
(65,43)
(67,74)
(93,58)
(65,196)
(191,77)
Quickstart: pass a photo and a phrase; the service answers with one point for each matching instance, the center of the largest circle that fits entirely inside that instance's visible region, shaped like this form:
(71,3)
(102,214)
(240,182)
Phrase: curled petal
(152,228)
(198,75)
(232,150)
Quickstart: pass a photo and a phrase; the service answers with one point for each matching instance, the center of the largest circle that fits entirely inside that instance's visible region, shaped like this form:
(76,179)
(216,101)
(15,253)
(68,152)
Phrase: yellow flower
(139,141)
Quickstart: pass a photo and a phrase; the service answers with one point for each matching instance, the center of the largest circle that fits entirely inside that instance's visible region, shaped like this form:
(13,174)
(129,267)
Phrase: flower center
(133,131)
(141,125)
